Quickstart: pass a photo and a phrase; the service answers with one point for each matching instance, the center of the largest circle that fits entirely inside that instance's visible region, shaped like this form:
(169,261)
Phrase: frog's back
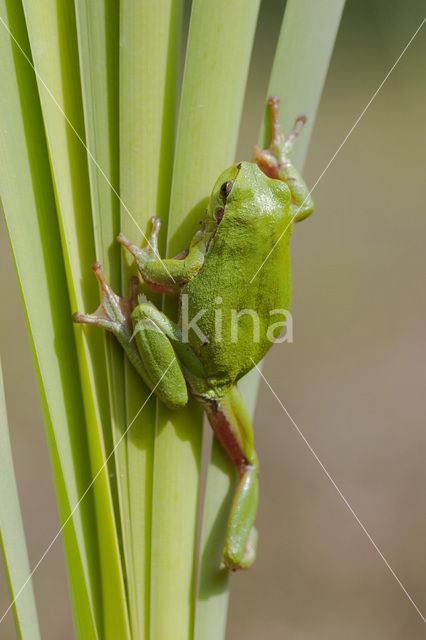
(235,314)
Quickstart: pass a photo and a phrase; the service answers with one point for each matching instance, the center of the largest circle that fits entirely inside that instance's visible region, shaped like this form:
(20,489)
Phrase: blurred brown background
(353,380)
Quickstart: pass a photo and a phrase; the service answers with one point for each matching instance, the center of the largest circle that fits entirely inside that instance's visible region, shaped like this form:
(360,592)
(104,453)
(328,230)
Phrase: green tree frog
(247,225)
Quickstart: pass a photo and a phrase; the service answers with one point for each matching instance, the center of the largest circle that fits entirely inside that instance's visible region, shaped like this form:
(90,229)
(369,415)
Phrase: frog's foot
(150,254)
(114,312)
(290,139)
(151,251)
(249,553)
(276,157)
(266,161)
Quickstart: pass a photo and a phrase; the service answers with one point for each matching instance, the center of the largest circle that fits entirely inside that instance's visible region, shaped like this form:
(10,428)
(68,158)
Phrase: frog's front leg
(275,162)
(158,366)
(232,427)
(164,275)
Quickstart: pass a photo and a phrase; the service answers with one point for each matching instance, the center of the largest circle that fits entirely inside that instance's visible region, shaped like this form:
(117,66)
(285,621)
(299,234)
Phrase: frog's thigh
(158,355)
(185,354)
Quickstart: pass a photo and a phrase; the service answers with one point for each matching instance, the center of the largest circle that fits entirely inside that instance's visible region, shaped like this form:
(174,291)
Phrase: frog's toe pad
(249,556)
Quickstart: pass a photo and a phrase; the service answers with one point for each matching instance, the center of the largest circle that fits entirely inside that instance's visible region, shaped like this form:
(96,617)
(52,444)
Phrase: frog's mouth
(210,237)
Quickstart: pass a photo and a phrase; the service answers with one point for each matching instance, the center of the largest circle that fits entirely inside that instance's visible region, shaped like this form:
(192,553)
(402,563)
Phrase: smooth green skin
(249,216)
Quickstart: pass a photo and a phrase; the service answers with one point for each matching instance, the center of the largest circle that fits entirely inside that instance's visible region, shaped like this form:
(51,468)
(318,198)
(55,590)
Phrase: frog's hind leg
(275,162)
(169,361)
(232,427)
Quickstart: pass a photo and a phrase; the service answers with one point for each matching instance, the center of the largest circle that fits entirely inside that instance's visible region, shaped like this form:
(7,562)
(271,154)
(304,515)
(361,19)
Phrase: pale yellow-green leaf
(53,40)
(207,132)
(300,65)
(29,207)
(150,40)
(12,537)
(98,42)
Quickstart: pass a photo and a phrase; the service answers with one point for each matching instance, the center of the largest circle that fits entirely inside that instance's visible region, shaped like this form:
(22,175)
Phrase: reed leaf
(299,69)
(90,144)
(12,536)
(207,132)
(53,39)
(29,207)
(150,43)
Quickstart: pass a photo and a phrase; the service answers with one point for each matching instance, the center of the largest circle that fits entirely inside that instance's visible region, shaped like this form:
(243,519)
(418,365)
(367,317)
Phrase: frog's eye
(218,214)
(225,189)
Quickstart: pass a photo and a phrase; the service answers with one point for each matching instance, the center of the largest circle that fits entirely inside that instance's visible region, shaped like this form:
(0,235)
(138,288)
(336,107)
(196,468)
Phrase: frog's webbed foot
(290,139)
(150,252)
(147,258)
(249,550)
(275,162)
(276,156)
(266,161)
(114,312)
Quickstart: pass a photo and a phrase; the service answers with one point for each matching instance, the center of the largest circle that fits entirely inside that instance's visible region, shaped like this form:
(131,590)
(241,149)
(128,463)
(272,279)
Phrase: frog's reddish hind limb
(275,157)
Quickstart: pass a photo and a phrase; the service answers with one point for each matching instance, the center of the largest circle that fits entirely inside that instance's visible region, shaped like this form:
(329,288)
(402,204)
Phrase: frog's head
(243,195)
(220,196)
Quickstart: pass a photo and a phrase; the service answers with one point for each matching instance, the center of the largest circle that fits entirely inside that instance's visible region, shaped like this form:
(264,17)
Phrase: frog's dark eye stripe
(225,189)
(218,214)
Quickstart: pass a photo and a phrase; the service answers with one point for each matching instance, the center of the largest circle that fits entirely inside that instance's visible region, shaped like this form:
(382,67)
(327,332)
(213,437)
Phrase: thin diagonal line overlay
(92,157)
(344,140)
(81,499)
(341,495)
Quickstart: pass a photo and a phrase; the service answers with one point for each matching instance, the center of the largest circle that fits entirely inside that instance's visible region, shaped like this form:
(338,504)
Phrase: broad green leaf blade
(210,107)
(12,536)
(98,34)
(297,77)
(150,40)
(301,61)
(29,207)
(208,128)
(52,34)
(213,580)
(98,43)
(304,49)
